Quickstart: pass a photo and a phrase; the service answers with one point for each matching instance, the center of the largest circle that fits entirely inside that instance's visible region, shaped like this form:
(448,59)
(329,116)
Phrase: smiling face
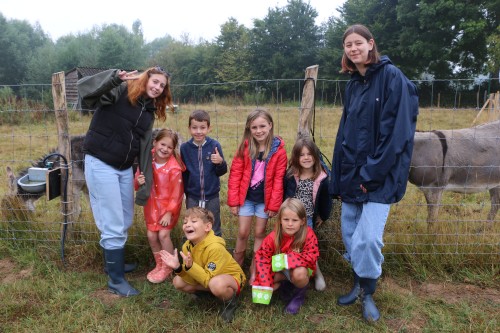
(259,129)
(198,130)
(356,48)
(164,148)
(291,222)
(306,160)
(195,228)
(156,85)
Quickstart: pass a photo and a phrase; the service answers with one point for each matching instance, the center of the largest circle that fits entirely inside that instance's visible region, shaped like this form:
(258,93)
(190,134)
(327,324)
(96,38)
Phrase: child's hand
(235,210)
(141,179)
(270,213)
(215,157)
(188,260)
(171,260)
(166,219)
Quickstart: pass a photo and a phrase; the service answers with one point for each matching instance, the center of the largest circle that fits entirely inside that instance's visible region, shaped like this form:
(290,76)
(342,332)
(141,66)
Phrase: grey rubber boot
(352,296)
(127,267)
(368,307)
(115,267)
(228,309)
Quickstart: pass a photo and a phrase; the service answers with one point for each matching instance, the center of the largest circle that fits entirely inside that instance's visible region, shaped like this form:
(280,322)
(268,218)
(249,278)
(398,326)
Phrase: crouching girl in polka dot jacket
(286,259)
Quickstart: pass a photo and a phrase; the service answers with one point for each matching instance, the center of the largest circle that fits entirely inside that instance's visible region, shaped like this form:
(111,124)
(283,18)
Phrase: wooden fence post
(64,142)
(307,103)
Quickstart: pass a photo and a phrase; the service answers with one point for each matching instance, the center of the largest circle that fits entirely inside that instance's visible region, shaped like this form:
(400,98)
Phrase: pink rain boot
(160,272)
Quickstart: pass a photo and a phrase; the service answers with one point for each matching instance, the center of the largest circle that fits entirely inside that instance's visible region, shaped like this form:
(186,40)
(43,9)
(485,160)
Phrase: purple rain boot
(286,291)
(299,296)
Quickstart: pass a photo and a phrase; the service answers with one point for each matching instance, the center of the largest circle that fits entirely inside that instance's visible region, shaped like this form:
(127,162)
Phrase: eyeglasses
(161,70)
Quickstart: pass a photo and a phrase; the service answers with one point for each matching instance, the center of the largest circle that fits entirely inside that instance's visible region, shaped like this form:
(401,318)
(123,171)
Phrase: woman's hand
(123,75)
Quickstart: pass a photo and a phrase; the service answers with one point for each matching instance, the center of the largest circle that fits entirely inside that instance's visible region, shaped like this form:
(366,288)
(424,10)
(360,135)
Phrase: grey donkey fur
(464,160)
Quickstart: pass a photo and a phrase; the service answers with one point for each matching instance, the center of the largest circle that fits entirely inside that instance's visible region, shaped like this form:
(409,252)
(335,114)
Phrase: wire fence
(462,231)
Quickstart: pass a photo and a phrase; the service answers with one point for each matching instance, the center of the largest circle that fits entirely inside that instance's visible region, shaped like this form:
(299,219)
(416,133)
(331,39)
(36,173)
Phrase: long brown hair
(137,89)
(373,56)
(174,136)
(296,206)
(247,135)
(294,167)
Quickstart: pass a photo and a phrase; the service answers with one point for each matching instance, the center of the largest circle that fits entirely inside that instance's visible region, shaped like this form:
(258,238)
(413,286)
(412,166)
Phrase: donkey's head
(16,192)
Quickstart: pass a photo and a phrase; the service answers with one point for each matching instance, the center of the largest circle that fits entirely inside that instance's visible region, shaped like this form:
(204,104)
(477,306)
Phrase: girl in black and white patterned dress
(307,179)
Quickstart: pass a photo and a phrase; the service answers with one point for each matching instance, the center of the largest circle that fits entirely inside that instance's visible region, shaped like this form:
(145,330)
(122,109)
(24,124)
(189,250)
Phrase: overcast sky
(198,18)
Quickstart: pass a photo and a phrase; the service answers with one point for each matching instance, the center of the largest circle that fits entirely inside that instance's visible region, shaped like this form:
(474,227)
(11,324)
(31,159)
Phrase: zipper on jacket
(143,107)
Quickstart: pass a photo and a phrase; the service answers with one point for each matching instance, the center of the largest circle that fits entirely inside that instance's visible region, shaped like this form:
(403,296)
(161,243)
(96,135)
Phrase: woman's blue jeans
(362,226)
(111,193)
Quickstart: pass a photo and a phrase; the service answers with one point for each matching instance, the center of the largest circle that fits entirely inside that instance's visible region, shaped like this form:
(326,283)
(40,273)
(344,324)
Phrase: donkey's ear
(11,179)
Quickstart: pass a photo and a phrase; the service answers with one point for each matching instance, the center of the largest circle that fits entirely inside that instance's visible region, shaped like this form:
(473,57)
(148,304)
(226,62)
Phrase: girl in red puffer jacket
(255,186)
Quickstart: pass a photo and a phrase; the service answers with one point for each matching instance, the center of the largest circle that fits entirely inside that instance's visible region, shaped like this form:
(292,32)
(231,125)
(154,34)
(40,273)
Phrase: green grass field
(444,279)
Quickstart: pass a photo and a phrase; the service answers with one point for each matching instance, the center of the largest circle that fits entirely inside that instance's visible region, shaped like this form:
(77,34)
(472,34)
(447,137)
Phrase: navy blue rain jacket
(375,137)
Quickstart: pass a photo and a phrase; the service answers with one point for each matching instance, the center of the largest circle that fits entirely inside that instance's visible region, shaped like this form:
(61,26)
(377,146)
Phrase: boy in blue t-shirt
(204,163)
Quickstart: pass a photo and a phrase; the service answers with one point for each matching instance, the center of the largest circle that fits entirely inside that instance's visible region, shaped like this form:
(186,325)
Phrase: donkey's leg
(12,182)
(495,203)
(433,198)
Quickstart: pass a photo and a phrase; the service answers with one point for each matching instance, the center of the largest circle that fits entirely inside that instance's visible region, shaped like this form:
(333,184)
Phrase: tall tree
(118,48)
(232,62)
(285,42)
(18,42)
(446,38)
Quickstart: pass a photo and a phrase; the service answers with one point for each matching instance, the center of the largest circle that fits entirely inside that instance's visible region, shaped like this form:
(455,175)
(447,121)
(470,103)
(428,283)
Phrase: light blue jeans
(111,194)
(362,226)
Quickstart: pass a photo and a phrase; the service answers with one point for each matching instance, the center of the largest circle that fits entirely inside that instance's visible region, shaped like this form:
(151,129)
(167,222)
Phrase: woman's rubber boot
(299,296)
(368,307)
(286,291)
(228,309)
(352,296)
(127,267)
(160,272)
(115,266)
(239,256)
(319,279)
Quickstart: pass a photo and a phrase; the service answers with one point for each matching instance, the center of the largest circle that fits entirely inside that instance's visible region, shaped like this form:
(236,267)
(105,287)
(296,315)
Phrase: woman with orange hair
(120,131)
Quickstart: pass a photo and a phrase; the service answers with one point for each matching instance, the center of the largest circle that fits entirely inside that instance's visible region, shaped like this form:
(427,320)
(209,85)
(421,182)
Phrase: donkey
(463,161)
(77,163)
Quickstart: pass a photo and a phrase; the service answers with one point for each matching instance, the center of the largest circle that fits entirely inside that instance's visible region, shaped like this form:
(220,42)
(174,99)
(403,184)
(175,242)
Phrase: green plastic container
(262,295)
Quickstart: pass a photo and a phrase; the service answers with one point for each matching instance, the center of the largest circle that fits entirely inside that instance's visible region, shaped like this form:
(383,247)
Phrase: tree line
(426,39)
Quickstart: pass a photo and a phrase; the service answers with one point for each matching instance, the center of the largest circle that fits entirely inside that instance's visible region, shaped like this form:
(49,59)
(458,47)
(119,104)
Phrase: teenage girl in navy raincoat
(371,157)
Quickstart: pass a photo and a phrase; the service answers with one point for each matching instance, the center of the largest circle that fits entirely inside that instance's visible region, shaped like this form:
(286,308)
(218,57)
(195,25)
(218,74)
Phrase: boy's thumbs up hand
(215,157)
